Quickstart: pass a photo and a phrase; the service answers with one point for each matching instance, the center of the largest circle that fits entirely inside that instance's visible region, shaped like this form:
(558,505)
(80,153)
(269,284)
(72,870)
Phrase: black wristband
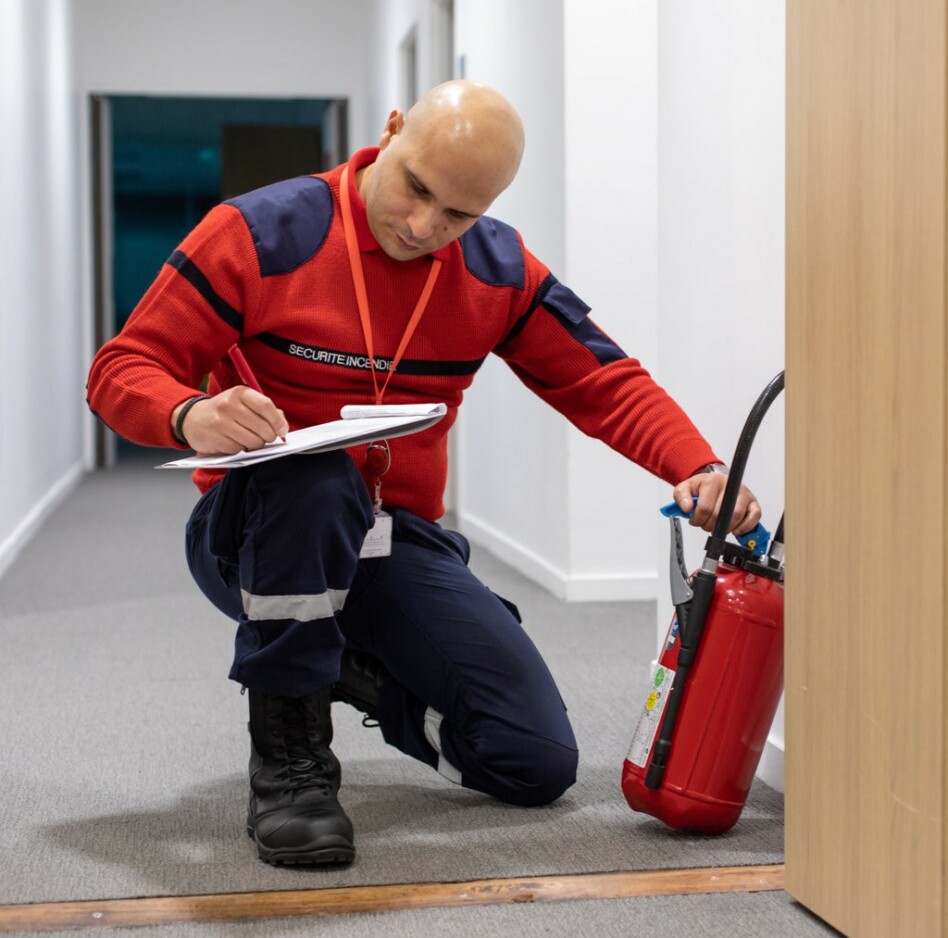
(179,423)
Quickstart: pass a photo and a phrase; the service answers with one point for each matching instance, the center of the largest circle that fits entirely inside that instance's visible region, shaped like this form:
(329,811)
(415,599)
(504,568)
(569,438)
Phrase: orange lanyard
(358,281)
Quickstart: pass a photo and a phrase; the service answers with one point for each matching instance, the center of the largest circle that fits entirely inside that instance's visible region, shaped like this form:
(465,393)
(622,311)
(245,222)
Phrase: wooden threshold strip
(164,910)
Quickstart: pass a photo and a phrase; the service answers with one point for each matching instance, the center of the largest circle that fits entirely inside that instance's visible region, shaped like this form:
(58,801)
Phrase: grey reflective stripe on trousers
(301,608)
(433,735)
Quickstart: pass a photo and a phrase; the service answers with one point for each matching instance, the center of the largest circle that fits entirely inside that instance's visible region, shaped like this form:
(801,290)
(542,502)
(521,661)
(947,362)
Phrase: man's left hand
(708,489)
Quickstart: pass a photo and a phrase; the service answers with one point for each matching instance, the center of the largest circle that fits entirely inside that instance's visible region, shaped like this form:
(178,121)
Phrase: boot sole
(339,852)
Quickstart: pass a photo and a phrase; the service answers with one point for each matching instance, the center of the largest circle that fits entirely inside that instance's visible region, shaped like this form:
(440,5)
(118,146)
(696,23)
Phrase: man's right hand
(239,418)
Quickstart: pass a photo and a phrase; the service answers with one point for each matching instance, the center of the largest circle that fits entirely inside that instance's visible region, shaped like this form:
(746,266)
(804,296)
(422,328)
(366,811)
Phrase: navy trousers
(276,547)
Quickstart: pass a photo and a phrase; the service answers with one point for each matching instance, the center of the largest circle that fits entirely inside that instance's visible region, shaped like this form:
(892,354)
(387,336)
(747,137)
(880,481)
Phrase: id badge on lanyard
(378,456)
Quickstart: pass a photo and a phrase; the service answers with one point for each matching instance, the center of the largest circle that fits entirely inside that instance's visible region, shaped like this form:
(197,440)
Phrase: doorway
(161,163)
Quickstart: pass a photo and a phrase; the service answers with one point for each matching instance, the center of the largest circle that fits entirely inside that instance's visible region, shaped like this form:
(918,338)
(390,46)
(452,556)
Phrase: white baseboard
(569,588)
(770,769)
(21,534)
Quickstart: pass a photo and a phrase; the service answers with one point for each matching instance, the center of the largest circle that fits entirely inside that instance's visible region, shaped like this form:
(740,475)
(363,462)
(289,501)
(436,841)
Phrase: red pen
(243,371)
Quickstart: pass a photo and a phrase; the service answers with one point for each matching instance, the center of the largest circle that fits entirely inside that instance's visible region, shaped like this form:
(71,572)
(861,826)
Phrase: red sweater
(270,270)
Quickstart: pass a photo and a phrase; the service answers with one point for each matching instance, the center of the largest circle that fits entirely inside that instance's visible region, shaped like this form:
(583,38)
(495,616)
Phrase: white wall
(513,450)
(610,67)
(533,489)
(41,384)
(394,20)
(235,48)
(721,241)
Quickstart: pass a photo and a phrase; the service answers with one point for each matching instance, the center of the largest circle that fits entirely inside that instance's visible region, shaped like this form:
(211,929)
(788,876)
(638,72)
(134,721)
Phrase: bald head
(473,123)
(440,167)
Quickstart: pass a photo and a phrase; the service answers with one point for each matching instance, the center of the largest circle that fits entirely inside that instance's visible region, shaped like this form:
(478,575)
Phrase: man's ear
(393,127)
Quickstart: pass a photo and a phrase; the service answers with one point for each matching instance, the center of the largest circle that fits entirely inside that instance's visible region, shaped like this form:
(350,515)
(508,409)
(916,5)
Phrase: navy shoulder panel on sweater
(288,220)
(493,254)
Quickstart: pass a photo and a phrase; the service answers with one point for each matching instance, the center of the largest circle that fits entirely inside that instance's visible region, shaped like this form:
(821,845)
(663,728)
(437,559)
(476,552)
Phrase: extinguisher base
(679,810)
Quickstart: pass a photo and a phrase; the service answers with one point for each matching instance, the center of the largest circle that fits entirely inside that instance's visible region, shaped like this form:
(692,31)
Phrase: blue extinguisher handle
(755,541)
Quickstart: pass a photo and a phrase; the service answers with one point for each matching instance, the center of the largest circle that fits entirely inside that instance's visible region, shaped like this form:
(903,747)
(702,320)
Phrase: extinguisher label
(650,718)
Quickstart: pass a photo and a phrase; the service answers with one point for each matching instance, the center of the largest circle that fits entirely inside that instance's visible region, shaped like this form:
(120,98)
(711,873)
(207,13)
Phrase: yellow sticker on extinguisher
(650,717)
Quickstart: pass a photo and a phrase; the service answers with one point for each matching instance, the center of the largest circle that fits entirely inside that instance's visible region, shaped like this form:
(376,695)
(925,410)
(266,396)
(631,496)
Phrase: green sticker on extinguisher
(650,717)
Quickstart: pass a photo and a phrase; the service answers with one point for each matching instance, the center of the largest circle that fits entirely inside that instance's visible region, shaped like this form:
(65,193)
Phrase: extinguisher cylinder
(731,693)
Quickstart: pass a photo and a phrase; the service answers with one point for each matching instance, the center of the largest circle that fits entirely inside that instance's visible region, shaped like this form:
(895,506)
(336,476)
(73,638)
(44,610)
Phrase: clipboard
(358,424)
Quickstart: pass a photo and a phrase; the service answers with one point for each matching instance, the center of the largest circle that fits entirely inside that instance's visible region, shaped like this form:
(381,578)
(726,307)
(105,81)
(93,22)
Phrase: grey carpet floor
(124,752)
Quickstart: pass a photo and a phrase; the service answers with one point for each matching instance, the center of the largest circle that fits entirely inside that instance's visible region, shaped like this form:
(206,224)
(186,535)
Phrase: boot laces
(307,760)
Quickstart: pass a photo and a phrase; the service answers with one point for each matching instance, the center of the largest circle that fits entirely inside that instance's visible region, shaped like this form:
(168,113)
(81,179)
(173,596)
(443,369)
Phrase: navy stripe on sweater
(190,271)
(359,361)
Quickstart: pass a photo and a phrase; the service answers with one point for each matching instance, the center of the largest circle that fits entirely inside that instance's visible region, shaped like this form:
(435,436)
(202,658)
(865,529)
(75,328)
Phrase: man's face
(420,198)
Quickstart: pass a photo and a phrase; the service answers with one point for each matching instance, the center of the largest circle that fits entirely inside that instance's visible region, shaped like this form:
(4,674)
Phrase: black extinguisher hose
(703,587)
(704,582)
(739,464)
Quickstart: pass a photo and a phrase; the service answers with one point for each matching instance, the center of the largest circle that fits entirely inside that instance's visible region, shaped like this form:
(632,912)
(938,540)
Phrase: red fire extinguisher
(713,693)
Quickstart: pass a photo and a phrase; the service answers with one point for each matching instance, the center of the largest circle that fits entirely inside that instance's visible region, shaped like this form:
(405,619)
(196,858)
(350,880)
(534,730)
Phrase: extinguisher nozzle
(656,769)
(654,775)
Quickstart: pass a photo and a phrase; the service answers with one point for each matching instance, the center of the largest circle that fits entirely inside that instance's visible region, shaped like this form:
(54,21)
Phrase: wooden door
(866,453)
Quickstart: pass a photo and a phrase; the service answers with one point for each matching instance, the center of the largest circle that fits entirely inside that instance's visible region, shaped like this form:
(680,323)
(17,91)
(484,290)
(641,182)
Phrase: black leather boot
(360,677)
(294,815)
